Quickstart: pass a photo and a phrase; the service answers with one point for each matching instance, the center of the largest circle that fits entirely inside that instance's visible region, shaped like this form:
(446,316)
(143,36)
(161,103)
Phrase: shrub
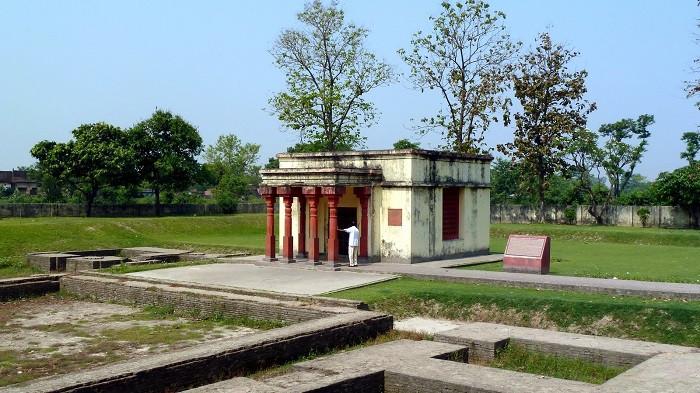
(643,214)
(570,215)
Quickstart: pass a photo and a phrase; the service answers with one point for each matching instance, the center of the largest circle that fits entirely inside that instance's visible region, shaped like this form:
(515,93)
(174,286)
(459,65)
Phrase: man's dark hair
(353,223)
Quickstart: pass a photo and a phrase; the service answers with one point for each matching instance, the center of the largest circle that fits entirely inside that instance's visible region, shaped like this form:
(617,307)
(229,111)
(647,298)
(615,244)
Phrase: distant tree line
(103,163)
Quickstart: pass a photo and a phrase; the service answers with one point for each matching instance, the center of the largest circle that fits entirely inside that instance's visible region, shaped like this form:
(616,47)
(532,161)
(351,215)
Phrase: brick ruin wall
(186,302)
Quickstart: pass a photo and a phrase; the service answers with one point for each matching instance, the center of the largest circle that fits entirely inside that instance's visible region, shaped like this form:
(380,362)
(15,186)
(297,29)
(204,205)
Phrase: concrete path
(275,279)
(468,261)
(583,284)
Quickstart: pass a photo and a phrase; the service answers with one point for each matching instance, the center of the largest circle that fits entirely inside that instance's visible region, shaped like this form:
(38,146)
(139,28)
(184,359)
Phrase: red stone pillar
(287,239)
(269,194)
(363,193)
(333,194)
(301,247)
(312,194)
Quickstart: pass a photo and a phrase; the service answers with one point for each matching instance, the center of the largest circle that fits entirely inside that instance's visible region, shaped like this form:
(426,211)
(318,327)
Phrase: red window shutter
(450,213)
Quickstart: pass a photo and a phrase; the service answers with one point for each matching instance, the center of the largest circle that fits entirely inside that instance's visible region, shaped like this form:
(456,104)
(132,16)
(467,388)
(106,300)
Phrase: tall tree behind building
(467,59)
(553,107)
(329,73)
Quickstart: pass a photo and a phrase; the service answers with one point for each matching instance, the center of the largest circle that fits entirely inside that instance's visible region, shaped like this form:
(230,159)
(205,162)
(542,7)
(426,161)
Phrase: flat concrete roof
(430,154)
(275,279)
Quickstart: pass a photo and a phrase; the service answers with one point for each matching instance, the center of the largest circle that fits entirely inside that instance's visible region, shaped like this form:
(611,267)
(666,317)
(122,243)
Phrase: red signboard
(527,254)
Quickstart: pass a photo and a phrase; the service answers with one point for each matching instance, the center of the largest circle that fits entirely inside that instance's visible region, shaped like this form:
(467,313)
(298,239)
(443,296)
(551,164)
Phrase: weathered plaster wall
(395,241)
(406,169)
(413,183)
(426,227)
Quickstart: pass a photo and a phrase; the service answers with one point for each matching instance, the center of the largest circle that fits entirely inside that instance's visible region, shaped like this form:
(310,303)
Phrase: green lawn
(626,253)
(518,358)
(673,322)
(19,236)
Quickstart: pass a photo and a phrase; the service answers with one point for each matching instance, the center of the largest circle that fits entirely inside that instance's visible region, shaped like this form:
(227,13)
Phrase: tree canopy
(406,144)
(467,59)
(553,107)
(166,147)
(99,155)
(328,74)
(234,167)
(626,142)
(692,146)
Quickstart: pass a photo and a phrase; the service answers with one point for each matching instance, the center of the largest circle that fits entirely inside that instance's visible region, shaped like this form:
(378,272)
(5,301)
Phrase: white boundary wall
(661,216)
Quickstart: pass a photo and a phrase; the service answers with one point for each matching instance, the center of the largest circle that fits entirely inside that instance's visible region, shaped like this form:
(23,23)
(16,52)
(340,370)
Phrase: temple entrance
(346,216)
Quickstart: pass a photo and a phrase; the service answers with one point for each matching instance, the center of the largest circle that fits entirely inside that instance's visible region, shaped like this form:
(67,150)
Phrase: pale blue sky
(70,62)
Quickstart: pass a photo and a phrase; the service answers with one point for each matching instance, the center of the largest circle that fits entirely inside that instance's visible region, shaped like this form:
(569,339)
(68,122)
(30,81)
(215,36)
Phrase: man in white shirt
(353,242)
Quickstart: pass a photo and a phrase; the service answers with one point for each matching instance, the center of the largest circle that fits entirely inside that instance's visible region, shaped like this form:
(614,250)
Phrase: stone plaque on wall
(527,254)
(395,217)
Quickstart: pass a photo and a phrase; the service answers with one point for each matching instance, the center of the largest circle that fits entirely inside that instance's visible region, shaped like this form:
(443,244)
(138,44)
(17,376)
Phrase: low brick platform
(218,359)
(306,299)
(485,339)
(49,262)
(120,289)
(399,366)
(77,264)
(406,366)
(16,288)
(154,253)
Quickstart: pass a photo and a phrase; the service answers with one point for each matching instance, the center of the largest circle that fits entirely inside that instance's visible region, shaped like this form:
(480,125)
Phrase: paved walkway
(583,284)
(276,279)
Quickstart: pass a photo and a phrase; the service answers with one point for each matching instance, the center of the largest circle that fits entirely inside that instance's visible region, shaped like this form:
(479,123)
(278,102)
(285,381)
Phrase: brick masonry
(485,339)
(406,366)
(217,360)
(16,288)
(305,299)
(187,300)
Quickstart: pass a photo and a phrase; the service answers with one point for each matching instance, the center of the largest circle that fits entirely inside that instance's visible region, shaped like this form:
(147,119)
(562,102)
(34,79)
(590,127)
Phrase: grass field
(242,232)
(519,359)
(625,253)
(649,254)
(673,322)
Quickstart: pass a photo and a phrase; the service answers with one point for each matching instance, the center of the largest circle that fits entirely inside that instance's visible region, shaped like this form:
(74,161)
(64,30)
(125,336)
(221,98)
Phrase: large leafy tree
(692,146)
(625,143)
(233,164)
(467,59)
(614,161)
(329,73)
(553,107)
(166,148)
(682,188)
(585,160)
(98,156)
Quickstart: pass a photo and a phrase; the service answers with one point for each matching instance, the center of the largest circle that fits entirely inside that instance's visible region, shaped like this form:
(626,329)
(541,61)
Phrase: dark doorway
(346,216)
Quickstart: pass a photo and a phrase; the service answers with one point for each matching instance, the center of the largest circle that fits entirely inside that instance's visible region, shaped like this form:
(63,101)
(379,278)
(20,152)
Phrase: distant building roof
(14,176)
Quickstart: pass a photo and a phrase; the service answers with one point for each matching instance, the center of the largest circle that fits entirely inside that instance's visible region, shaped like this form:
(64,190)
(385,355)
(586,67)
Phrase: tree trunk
(89,201)
(156,190)
(598,215)
(540,195)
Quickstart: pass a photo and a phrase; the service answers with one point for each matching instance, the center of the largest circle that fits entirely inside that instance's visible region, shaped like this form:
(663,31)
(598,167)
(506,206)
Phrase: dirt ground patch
(52,335)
